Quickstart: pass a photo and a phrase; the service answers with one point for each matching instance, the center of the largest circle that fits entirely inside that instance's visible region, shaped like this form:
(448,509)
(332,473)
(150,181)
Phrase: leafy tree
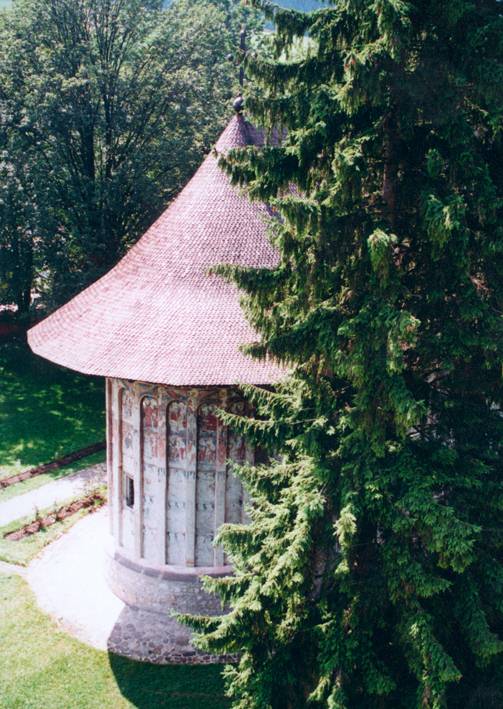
(115,101)
(371,574)
(16,236)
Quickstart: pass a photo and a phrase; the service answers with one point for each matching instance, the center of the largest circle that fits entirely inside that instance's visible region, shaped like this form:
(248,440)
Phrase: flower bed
(91,502)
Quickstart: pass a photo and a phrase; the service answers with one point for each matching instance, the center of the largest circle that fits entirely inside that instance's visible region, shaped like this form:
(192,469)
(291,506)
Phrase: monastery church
(165,334)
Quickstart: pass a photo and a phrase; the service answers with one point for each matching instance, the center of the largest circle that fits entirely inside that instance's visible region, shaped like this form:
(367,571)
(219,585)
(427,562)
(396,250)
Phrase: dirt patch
(53,465)
(91,502)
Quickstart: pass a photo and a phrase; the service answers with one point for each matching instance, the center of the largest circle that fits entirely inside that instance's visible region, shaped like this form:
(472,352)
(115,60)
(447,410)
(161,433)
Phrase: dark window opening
(261,456)
(129,491)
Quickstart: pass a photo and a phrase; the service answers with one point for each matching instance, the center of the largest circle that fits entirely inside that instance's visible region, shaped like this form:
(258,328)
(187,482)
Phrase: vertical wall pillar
(117,473)
(190,480)
(138,477)
(153,475)
(220,478)
(109,449)
(163,472)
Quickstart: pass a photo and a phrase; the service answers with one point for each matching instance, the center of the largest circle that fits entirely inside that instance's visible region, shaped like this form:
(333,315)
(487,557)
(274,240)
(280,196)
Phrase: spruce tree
(371,574)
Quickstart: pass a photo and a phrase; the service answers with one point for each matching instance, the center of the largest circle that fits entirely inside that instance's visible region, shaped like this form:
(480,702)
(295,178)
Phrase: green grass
(45,411)
(21,552)
(42,667)
(39,480)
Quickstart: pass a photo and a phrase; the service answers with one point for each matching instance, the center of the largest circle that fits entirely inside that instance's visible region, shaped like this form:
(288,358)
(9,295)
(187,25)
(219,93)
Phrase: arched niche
(177,417)
(210,432)
(152,479)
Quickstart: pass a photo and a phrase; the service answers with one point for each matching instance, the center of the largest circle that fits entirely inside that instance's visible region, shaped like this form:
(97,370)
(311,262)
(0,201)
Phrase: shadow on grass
(149,686)
(45,411)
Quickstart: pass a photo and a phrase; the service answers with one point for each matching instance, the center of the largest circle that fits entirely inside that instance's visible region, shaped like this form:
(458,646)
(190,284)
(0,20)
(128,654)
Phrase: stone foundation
(156,638)
(161,589)
(146,630)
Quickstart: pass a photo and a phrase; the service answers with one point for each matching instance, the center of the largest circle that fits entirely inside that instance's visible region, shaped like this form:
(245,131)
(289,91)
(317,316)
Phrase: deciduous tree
(115,101)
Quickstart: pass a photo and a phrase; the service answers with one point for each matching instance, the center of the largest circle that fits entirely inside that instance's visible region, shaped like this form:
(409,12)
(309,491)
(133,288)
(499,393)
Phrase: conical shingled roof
(158,316)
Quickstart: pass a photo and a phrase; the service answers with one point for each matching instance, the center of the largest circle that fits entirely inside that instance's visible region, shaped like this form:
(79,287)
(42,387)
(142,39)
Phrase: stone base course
(161,590)
(151,637)
(69,582)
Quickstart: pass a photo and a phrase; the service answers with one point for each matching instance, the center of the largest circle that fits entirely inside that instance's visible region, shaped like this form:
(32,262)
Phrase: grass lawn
(45,412)
(39,480)
(42,667)
(21,552)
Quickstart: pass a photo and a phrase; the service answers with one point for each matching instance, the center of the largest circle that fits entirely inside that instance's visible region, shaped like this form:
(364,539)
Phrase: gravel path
(53,493)
(10,569)
(69,583)
(68,580)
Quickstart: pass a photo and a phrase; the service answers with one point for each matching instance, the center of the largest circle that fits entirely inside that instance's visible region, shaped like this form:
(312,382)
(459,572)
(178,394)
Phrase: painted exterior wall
(168,450)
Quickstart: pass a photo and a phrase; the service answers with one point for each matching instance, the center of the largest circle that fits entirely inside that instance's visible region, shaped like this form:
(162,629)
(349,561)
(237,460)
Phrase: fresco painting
(150,428)
(177,426)
(127,404)
(236,450)
(176,419)
(207,435)
(198,447)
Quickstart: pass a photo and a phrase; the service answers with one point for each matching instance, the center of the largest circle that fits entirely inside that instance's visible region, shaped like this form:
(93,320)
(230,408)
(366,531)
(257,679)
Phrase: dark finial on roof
(238,104)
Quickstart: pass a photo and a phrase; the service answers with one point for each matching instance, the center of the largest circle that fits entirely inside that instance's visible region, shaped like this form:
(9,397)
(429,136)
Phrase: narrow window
(129,491)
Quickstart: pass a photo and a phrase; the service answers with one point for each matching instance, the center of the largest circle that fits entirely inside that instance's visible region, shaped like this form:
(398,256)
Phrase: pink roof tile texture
(158,316)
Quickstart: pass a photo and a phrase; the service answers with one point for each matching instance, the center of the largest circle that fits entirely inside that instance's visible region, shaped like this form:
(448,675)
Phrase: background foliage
(106,108)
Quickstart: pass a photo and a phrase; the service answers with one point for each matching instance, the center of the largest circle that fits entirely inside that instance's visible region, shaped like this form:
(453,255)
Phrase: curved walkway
(68,580)
(51,494)
(6,568)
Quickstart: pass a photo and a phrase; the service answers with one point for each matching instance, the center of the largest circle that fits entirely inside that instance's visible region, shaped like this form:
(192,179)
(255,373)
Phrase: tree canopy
(106,108)
(371,574)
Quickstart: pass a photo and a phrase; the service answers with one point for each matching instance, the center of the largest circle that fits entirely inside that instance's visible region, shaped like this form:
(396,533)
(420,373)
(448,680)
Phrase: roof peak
(238,134)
